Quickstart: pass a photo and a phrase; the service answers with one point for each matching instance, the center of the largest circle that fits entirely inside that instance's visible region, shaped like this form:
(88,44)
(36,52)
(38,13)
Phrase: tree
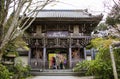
(15,17)
(113,18)
(101,27)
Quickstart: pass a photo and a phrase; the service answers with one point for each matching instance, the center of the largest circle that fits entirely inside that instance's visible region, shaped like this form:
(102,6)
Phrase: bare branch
(115,3)
(18,24)
(27,7)
(13,25)
(23,28)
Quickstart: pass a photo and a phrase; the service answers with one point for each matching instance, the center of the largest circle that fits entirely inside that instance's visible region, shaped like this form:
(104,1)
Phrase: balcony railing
(35,35)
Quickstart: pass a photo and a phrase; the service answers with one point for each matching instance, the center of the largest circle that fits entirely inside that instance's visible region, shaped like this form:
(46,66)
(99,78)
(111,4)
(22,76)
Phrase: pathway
(60,77)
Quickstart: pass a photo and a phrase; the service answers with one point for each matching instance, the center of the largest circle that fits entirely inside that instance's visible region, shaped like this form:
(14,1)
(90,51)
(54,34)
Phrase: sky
(93,6)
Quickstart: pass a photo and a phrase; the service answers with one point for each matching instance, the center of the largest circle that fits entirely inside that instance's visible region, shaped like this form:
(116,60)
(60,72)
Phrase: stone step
(48,72)
(57,74)
(52,70)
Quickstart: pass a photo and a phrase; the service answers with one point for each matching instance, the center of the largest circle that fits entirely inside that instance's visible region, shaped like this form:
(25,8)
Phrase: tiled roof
(63,14)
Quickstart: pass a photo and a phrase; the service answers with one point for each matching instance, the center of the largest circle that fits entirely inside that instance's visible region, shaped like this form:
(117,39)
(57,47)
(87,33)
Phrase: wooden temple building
(58,38)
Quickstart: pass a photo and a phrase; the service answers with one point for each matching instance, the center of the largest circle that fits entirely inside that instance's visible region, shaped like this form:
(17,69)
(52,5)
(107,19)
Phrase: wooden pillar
(44,53)
(29,56)
(85,53)
(70,57)
(93,53)
(70,54)
(44,56)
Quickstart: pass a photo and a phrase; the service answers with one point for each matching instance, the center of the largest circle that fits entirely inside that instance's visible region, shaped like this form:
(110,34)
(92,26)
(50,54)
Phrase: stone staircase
(56,72)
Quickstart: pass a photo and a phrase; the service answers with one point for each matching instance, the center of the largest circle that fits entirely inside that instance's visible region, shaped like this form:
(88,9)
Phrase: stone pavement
(60,77)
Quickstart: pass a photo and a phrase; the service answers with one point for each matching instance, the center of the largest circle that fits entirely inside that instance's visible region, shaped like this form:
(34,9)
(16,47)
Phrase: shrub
(81,66)
(101,66)
(21,72)
(96,68)
(18,70)
(4,73)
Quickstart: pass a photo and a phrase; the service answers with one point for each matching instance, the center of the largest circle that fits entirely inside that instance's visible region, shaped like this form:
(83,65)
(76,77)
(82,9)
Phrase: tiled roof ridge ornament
(86,10)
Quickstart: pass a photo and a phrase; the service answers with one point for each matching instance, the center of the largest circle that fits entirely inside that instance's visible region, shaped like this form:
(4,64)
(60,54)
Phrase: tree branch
(12,26)
(23,28)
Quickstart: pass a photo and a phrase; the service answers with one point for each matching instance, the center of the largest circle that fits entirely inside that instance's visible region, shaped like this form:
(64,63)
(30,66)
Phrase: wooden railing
(40,64)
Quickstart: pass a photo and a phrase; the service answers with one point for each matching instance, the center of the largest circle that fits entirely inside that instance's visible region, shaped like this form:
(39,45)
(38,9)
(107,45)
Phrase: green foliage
(82,66)
(4,73)
(10,48)
(117,59)
(113,20)
(110,21)
(19,42)
(101,26)
(101,66)
(20,71)
(89,46)
(99,43)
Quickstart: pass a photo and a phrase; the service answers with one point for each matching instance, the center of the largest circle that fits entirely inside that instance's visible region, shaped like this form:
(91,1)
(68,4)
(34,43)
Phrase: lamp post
(113,60)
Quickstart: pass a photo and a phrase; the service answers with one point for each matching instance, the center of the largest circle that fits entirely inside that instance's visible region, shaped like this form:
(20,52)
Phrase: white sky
(93,6)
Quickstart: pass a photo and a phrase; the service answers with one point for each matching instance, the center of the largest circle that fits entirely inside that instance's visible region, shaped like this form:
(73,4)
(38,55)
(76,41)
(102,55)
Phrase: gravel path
(60,77)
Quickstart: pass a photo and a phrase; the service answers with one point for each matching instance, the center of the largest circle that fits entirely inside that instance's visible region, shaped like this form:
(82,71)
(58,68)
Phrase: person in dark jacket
(61,65)
(53,63)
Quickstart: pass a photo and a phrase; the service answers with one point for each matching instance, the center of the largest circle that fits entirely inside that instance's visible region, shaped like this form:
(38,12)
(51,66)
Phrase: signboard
(57,34)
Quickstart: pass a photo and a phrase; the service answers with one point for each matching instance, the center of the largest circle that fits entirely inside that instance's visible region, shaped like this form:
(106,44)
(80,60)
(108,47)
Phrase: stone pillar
(70,57)
(44,56)
(29,56)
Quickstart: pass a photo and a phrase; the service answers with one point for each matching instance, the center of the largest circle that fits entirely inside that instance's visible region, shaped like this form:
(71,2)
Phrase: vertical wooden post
(1,54)
(29,56)
(44,56)
(70,54)
(92,51)
(85,53)
(44,52)
(113,63)
(70,58)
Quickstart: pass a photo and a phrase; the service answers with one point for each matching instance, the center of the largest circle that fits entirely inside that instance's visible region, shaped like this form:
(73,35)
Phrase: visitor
(57,61)
(65,62)
(53,63)
(61,65)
